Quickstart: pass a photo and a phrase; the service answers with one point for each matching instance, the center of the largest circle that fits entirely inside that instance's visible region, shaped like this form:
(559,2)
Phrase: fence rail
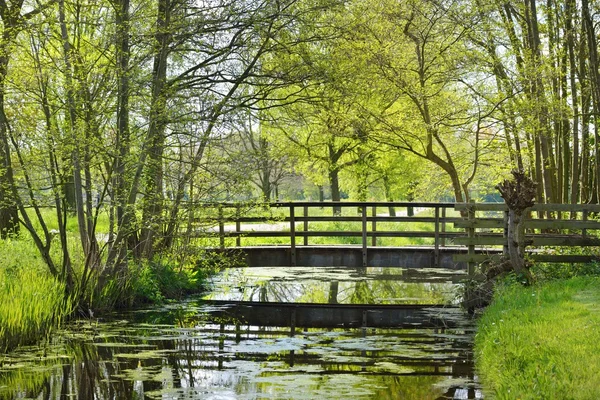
(473,226)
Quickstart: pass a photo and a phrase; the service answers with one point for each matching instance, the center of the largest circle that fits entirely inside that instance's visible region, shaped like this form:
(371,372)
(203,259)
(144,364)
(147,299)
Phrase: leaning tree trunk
(518,194)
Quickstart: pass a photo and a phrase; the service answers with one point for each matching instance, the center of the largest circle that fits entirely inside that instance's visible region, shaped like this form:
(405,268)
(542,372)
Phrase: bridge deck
(354,256)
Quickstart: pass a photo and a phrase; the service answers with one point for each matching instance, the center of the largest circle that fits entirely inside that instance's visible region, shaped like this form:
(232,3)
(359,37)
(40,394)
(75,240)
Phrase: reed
(32,303)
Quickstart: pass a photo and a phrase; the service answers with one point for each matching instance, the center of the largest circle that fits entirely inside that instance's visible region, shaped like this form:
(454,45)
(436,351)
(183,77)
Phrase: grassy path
(542,342)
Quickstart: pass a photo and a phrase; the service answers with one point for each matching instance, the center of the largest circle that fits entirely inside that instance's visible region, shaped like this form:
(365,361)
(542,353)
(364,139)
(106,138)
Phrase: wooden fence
(474,226)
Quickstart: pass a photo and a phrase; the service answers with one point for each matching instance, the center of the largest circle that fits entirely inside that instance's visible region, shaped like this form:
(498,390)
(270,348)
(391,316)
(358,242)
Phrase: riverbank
(33,303)
(541,342)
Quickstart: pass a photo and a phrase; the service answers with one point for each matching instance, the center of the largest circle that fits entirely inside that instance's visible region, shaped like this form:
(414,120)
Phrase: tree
(437,108)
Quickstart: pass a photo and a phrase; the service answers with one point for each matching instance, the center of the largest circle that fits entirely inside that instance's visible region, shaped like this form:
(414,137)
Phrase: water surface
(181,351)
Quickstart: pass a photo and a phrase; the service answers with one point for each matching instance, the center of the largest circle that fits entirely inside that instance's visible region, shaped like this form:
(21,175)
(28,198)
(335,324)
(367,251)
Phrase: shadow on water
(188,350)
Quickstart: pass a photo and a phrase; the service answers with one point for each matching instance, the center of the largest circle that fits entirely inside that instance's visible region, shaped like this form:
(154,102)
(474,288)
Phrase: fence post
(292,236)
(221,228)
(436,243)
(471,235)
(364,235)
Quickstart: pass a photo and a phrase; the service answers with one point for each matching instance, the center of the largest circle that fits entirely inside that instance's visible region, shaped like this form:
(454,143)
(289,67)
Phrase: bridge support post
(443,239)
(293,323)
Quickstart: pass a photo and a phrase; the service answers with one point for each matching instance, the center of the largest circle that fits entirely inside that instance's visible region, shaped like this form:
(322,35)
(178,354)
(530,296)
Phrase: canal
(188,350)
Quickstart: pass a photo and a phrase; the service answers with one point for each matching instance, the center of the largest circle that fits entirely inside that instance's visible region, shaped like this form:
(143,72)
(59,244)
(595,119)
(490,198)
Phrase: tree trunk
(388,194)
(516,241)
(594,77)
(334,182)
(570,42)
(125,217)
(9,217)
(518,194)
(153,191)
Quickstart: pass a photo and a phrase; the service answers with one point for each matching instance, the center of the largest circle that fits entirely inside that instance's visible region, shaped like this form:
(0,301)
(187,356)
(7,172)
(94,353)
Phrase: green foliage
(165,278)
(32,303)
(538,342)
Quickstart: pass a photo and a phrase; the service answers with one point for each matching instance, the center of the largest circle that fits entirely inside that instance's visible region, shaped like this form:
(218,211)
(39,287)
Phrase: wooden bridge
(393,234)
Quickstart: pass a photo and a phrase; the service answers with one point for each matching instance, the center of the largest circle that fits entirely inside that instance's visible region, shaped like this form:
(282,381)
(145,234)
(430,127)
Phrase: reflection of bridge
(448,235)
(310,315)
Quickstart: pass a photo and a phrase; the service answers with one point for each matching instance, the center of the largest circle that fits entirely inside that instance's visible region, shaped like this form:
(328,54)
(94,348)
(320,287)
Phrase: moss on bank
(541,342)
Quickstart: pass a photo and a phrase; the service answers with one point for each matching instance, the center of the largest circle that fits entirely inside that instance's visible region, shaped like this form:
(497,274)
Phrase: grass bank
(541,342)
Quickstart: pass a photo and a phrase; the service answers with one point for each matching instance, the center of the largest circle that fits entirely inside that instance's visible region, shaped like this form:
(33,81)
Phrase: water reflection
(184,351)
(132,360)
(338,285)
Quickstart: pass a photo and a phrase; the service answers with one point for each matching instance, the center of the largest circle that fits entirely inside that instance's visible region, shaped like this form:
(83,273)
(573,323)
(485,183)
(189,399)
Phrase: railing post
(374,226)
(443,238)
(292,236)
(364,235)
(238,226)
(584,218)
(305,225)
(436,244)
(221,228)
(471,235)
(505,234)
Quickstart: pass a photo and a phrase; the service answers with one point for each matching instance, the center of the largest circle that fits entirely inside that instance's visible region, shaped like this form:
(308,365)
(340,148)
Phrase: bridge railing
(473,226)
(362,224)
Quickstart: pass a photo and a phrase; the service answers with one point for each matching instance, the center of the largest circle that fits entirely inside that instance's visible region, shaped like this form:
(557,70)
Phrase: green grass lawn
(542,342)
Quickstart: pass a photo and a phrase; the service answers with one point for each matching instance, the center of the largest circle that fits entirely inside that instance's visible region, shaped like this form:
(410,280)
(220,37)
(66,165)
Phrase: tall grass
(542,342)
(32,303)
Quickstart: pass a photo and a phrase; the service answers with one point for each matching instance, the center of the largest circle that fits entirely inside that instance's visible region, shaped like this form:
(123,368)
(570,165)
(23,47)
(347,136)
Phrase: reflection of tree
(367,291)
(408,387)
